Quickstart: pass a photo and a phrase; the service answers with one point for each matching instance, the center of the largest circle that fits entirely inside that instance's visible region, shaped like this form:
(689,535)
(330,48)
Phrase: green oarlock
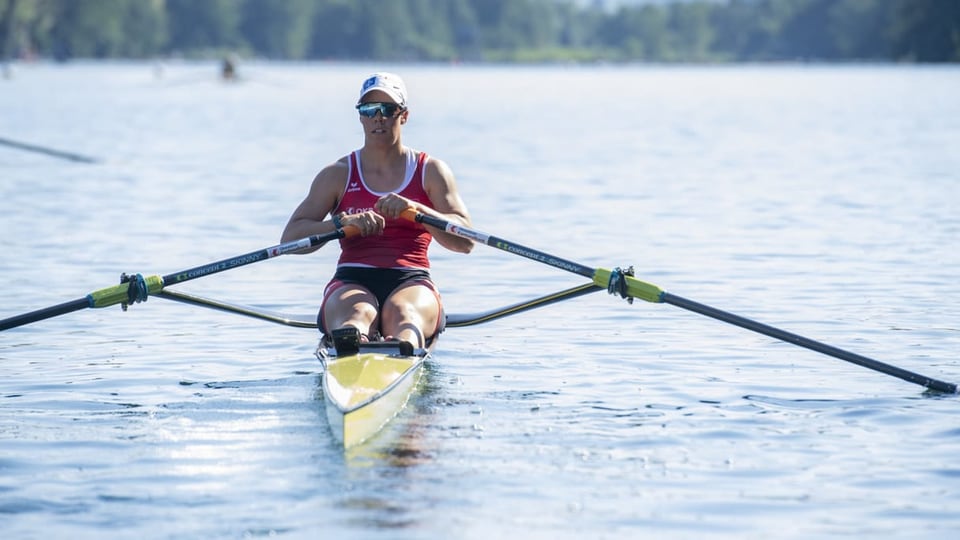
(635,287)
(118,294)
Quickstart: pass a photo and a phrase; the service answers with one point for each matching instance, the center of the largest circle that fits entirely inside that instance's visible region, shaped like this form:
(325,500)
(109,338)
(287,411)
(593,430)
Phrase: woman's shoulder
(333,175)
(436,167)
(336,169)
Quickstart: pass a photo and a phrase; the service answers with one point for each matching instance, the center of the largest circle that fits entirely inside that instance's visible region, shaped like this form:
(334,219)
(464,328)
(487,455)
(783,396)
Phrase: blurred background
(486,30)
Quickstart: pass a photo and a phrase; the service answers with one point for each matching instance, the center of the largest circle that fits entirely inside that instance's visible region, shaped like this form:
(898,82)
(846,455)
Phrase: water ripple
(816,199)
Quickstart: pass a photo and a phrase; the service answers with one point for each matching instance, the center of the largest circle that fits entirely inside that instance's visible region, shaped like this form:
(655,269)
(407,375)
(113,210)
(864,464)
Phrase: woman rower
(382,284)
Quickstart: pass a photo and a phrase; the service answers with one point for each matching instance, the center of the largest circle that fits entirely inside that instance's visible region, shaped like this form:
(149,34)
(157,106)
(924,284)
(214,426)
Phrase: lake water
(820,200)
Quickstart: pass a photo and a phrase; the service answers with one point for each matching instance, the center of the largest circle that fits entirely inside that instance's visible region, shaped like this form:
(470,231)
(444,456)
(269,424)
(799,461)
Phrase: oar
(454,320)
(257,313)
(459,320)
(620,282)
(47,151)
(137,288)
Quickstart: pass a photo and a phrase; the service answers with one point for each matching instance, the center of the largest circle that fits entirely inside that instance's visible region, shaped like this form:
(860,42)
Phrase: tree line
(485,30)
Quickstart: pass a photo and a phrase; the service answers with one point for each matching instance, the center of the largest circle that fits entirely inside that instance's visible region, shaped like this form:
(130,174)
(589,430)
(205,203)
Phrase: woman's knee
(355,306)
(411,307)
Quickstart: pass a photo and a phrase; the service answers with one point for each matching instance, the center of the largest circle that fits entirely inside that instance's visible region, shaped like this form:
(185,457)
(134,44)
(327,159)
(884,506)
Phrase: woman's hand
(369,223)
(392,205)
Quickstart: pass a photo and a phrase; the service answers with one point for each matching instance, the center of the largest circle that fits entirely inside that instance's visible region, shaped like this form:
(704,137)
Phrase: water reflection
(400,443)
(379,473)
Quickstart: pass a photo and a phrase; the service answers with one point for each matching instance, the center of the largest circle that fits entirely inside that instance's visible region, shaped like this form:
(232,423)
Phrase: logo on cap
(389,83)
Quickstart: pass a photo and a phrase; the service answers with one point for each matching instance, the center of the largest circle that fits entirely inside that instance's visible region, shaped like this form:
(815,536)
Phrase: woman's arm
(441,187)
(309,218)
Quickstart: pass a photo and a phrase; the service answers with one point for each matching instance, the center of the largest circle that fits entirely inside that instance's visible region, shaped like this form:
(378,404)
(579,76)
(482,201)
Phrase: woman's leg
(411,313)
(350,304)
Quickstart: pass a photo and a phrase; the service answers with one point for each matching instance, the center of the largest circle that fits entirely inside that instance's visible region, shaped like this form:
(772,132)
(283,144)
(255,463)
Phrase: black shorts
(381,282)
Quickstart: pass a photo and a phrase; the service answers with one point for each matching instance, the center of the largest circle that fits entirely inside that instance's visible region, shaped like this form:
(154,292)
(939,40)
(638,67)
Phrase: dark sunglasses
(370,110)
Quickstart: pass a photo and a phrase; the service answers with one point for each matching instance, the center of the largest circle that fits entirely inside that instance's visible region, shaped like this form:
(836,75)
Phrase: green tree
(763,40)
(434,25)
(859,29)
(734,26)
(101,28)
(8,17)
(926,30)
(202,26)
(389,29)
(524,30)
(805,34)
(338,31)
(145,28)
(638,33)
(465,29)
(691,31)
(278,29)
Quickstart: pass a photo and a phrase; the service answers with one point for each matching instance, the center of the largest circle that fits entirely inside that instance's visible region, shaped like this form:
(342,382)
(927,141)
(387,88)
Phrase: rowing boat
(367,385)
(365,389)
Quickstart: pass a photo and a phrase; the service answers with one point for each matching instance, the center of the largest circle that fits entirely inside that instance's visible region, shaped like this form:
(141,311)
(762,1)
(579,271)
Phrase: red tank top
(403,243)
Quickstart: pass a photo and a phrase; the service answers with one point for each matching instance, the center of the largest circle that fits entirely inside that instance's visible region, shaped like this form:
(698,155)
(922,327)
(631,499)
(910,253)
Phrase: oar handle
(410,214)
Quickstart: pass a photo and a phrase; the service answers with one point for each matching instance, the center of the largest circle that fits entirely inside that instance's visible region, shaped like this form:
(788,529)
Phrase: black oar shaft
(45,313)
(48,151)
(215,267)
(453,320)
(458,320)
(279,318)
(540,256)
(250,258)
(652,293)
(118,294)
(807,343)
(507,246)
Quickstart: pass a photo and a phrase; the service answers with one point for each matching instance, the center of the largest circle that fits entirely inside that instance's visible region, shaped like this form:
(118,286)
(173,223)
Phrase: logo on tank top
(354,210)
(353,186)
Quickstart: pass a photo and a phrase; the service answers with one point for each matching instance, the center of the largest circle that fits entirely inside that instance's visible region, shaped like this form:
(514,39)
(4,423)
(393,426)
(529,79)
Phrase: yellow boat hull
(363,392)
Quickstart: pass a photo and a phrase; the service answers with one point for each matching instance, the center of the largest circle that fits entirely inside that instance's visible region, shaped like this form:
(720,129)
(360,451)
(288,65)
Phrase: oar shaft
(652,293)
(456,320)
(254,256)
(47,151)
(505,245)
(45,313)
(118,294)
(600,276)
(279,318)
(807,343)
(453,320)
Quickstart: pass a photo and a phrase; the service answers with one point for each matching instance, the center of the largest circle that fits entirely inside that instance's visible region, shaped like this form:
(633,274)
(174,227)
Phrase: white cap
(386,82)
